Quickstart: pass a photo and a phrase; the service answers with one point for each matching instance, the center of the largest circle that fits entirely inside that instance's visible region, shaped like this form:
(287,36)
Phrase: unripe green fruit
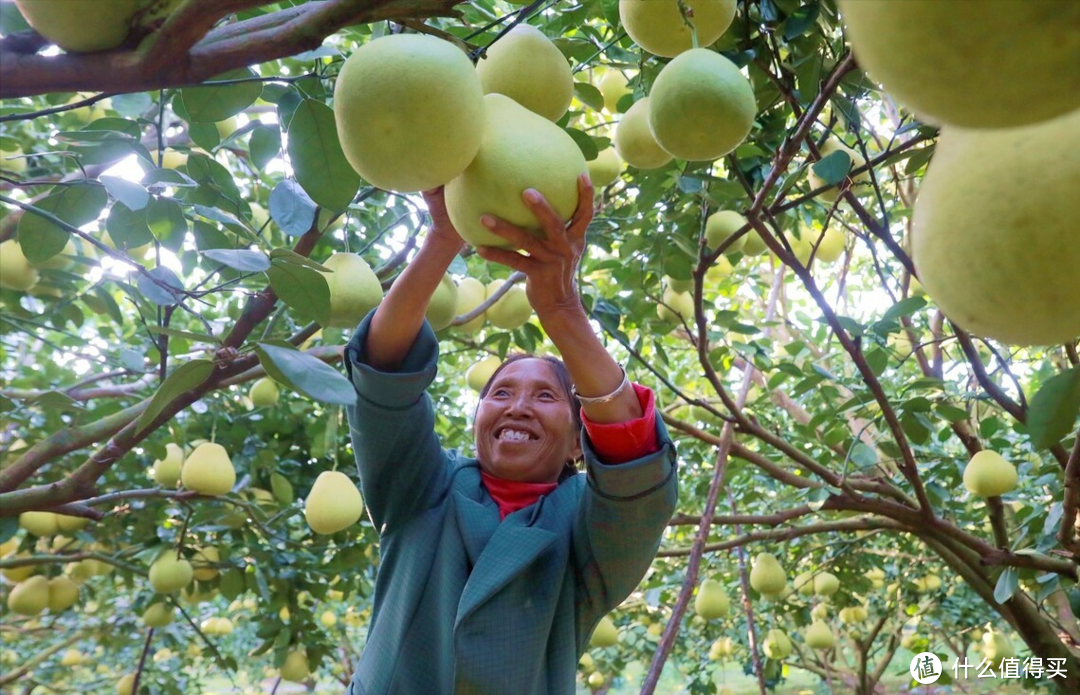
(676,307)
(70,524)
(930,582)
(701,107)
(987,474)
(12,161)
(754,244)
(527,67)
(354,289)
(16,273)
(826,584)
(996,647)
(820,611)
(658,25)
(264,393)
(295,668)
(767,575)
(776,645)
(480,372)
(208,470)
(957,63)
(595,680)
(169,573)
(63,593)
(722,225)
(203,561)
(831,246)
(511,310)
(614,86)
(711,601)
(804,584)
(158,615)
(819,636)
(994,230)
(679,286)
(78,26)
(126,684)
(519,150)
(333,504)
(30,596)
(471,293)
(442,308)
(605,634)
(166,471)
(39,523)
(606,168)
(635,143)
(409,111)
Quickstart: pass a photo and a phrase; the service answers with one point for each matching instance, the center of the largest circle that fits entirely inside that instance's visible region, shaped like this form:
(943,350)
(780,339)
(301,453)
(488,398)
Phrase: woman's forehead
(528,369)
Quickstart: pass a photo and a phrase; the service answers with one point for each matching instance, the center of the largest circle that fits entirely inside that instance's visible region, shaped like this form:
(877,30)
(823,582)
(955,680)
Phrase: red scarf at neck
(512,495)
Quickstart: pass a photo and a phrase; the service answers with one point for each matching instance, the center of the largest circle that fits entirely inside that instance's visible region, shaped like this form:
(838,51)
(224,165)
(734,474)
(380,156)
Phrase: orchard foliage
(824,411)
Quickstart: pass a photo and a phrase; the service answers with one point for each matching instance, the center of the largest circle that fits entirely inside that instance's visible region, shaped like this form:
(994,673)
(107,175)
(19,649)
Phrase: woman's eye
(548,395)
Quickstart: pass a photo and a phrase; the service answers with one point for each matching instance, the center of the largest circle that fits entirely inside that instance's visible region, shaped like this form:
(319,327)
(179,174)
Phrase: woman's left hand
(549,264)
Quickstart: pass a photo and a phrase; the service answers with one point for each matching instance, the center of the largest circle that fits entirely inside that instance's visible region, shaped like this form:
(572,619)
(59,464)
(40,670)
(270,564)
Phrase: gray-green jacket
(464,603)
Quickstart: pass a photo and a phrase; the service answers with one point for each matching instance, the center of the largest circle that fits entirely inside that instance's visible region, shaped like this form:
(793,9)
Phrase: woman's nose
(520,404)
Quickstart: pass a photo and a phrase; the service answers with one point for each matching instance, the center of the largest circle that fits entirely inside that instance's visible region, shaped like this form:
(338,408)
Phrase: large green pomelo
(81,26)
(701,107)
(996,231)
(471,293)
(527,67)
(409,111)
(659,28)
(606,168)
(519,150)
(634,142)
(354,289)
(511,310)
(973,64)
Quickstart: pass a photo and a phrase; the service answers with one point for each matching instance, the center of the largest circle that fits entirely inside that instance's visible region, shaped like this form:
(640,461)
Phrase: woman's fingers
(517,236)
(579,222)
(511,259)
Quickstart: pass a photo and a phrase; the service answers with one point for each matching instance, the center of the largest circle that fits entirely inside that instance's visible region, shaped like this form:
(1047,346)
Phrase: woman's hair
(561,373)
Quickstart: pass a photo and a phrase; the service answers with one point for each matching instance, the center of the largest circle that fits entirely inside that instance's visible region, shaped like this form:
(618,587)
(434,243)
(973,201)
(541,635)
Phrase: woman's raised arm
(398,318)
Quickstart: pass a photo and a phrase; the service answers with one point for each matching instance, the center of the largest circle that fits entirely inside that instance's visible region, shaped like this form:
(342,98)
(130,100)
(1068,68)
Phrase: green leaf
(905,307)
(282,489)
(78,204)
(1007,584)
(301,288)
(218,102)
(589,95)
(584,143)
(1053,410)
(184,378)
(318,162)
(834,167)
(292,208)
(127,192)
(167,222)
(862,456)
(127,228)
(157,294)
(240,259)
(951,412)
(306,374)
(265,145)
(186,335)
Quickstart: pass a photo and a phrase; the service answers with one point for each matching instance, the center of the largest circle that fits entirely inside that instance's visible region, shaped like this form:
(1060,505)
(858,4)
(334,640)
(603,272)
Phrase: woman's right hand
(442,232)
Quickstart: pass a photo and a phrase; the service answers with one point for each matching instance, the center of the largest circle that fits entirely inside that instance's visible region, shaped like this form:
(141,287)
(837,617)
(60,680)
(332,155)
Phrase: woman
(495,569)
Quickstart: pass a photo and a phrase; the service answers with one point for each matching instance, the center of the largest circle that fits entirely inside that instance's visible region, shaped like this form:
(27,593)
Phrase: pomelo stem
(688,19)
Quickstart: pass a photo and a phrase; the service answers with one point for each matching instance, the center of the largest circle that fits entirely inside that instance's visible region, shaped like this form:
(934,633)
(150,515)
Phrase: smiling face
(525,427)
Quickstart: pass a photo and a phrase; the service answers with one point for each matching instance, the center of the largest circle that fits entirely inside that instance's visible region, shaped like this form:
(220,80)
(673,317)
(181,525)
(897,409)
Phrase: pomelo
(971,64)
(16,273)
(527,67)
(442,308)
(720,226)
(409,110)
(658,25)
(333,504)
(354,289)
(857,160)
(614,85)
(634,142)
(994,232)
(606,168)
(988,474)
(511,310)
(519,150)
(471,293)
(79,26)
(701,107)
(209,470)
(480,372)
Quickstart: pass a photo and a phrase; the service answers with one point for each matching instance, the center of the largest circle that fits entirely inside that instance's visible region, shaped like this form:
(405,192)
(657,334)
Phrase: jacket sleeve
(619,525)
(403,468)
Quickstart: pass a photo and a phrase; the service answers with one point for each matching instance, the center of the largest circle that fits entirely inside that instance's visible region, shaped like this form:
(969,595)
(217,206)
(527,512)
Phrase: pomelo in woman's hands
(409,111)
(519,150)
(333,504)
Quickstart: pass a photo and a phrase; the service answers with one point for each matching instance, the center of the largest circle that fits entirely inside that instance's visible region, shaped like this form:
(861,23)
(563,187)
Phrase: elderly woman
(496,569)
